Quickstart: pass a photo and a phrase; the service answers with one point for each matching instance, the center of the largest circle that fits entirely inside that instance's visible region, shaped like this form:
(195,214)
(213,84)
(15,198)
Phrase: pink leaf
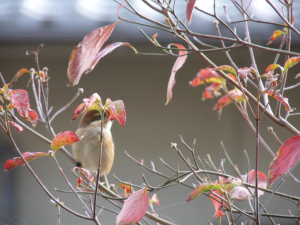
(241,193)
(108,49)
(189,9)
(178,64)
(18,161)
(17,126)
(84,54)
(245,72)
(64,138)
(286,157)
(134,208)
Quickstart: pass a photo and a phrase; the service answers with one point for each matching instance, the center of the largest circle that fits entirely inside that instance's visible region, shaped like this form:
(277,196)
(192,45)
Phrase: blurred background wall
(141,82)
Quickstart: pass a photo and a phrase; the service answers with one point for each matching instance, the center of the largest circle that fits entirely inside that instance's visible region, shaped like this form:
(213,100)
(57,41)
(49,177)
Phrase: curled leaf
(83,55)
(19,74)
(16,126)
(108,49)
(276,34)
(116,110)
(189,9)
(207,75)
(241,193)
(272,67)
(154,199)
(202,188)
(234,94)
(18,161)
(211,91)
(290,63)
(20,101)
(245,72)
(92,103)
(279,97)
(134,208)
(64,138)
(286,157)
(178,64)
(219,212)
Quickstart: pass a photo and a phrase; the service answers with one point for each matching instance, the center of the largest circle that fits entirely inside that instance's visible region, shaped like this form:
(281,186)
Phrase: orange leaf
(18,74)
(178,64)
(64,138)
(273,67)
(276,34)
(154,199)
(18,161)
(83,55)
(218,208)
(134,208)
(286,157)
(279,97)
(207,75)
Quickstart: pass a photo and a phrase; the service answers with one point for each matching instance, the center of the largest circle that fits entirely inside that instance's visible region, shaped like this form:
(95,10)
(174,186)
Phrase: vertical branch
(99,164)
(288,48)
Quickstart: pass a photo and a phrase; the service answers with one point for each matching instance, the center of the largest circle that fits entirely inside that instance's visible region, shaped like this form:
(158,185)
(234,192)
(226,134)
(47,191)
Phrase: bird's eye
(96,117)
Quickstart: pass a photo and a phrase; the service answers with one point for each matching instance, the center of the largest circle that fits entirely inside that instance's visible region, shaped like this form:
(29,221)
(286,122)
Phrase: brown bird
(86,151)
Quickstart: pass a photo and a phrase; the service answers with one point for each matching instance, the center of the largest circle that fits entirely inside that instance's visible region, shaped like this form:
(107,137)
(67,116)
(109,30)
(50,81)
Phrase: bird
(86,151)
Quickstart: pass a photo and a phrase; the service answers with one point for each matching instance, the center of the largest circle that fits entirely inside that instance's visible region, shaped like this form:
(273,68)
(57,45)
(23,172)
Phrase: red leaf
(17,126)
(134,208)
(108,49)
(116,110)
(218,208)
(235,94)
(92,103)
(83,55)
(206,76)
(279,97)
(178,64)
(202,188)
(211,91)
(18,161)
(286,157)
(19,100)
(126,188)
(64,138)
(189,9)
(276,34)
(290,62)
(241,193)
